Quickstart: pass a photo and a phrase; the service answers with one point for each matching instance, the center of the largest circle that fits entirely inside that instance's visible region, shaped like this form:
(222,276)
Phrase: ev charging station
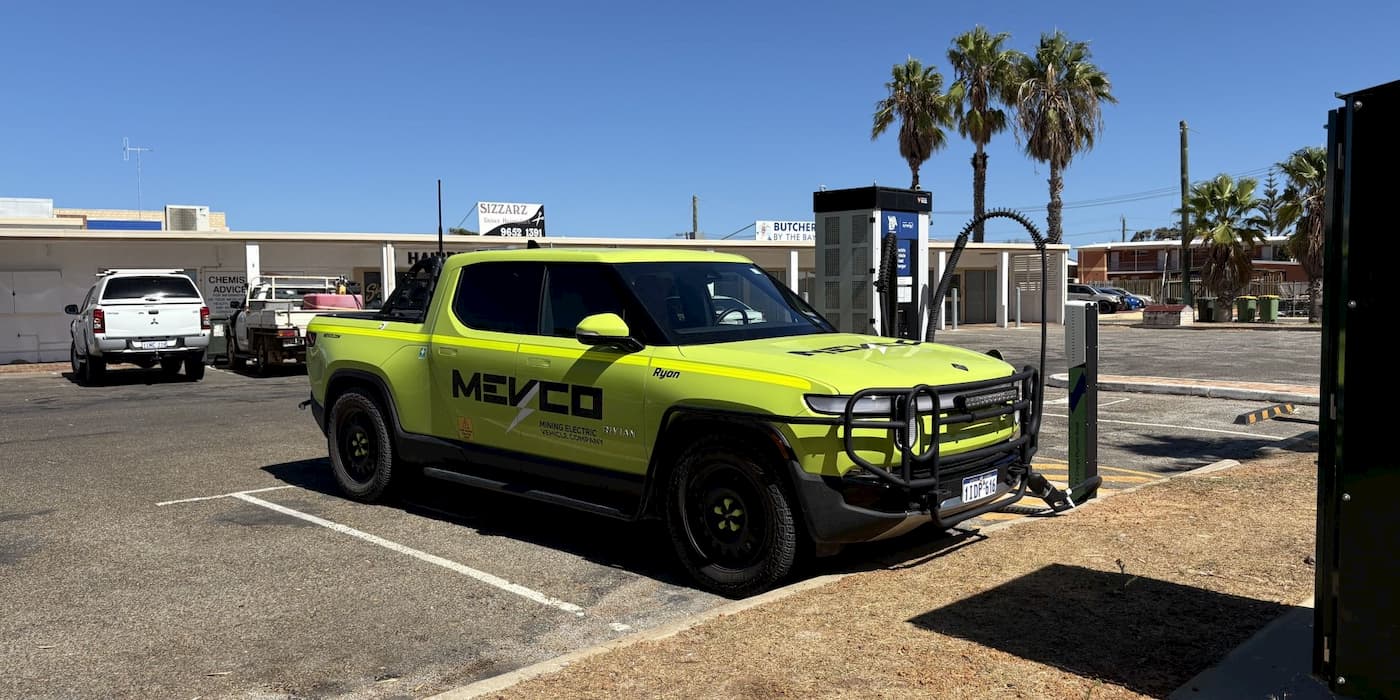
(1356,628)
(1082,354)
(851,224)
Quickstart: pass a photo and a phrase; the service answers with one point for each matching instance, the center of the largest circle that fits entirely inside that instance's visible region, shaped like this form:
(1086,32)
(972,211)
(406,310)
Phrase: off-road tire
(79,367)
(361,451)
(194,368)
(715,475)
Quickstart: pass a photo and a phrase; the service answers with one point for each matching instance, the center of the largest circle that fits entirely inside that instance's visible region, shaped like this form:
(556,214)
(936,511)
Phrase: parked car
(1145,299)
(1131,302)
(1108,303)
(141,317)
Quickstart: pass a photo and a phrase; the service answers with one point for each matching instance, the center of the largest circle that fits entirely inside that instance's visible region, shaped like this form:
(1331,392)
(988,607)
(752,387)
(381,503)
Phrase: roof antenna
(440,253)
(532,244)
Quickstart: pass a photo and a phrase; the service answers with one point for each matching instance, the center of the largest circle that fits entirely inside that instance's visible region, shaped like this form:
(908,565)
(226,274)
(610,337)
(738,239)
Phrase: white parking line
(1110,403)
(1187,428)
(222,495)
(481,576)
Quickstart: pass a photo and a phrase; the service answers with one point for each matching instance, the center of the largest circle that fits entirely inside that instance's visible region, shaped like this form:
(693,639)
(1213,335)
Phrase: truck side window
(576,291)
(500,296)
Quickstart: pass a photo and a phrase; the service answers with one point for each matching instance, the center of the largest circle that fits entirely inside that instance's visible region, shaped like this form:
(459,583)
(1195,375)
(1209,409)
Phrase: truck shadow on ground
(640,547)
(1145,634)
(273,371)
(132,376)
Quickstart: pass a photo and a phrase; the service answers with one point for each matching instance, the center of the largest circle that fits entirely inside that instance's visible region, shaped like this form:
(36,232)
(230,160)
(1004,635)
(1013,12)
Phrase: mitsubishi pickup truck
(142,317)
(624,383)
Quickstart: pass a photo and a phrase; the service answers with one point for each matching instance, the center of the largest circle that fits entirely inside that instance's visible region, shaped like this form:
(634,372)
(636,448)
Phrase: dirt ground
(1128,598)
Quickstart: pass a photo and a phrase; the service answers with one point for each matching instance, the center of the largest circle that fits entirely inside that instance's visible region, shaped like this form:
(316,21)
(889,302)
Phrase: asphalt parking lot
(177,539)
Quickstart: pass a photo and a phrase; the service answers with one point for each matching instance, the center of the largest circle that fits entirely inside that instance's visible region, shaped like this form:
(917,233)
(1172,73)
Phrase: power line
(1111,199)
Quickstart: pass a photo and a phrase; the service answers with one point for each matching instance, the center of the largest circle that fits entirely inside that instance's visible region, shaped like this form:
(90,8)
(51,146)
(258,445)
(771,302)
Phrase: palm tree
(1306,172)
(1222,216)
(917,99)
(1059,95)
(982,70)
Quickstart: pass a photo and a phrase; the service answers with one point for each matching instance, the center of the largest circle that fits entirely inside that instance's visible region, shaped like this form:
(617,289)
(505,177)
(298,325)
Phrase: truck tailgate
(146,320)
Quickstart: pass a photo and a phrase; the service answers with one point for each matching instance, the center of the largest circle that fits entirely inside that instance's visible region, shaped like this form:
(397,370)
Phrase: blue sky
(339,116)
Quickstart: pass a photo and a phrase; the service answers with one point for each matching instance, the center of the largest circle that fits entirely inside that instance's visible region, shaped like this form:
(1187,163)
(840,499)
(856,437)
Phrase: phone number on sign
(521,232)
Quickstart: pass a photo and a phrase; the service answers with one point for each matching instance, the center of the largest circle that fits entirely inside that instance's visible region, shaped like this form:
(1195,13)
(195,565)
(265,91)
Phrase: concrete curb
(1207,390)
(496,684)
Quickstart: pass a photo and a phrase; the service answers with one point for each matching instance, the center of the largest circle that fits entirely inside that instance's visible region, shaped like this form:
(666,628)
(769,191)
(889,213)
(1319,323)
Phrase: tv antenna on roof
(127,150)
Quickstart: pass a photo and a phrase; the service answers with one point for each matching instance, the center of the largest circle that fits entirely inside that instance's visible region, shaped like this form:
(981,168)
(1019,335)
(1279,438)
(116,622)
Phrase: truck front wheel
(730,519)
(362,455)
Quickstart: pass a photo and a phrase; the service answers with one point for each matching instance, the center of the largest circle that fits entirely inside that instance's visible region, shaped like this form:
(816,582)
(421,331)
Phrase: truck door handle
(447,352)
(536,362)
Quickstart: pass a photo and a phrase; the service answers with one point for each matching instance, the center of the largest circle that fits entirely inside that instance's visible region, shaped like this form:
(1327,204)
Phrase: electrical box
(1357,625)
(851,224)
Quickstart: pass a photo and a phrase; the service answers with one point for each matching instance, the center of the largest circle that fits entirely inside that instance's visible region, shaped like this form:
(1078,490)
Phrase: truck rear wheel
(194,367)
(362,455)
(730,519)
(170,366)
(94,370)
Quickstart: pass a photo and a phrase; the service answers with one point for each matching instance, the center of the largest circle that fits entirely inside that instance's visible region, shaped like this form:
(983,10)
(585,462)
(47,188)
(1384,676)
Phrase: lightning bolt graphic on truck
(689,387)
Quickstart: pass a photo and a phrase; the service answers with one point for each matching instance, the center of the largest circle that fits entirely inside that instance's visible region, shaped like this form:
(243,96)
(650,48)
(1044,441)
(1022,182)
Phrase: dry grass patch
(1128,598)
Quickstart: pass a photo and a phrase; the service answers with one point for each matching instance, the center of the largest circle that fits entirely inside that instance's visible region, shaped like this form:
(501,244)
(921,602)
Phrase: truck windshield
(144,287)
(715,302)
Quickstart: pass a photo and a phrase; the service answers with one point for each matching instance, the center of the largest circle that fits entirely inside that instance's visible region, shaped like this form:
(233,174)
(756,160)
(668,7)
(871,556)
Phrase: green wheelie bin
(1245,307)
(1268,308)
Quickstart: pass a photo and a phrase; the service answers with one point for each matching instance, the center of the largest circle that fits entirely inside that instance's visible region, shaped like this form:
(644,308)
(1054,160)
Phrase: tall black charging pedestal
(1356,635)
(851,224)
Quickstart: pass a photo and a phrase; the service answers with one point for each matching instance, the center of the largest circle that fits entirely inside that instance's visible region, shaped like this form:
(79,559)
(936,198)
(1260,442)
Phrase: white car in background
(141,317)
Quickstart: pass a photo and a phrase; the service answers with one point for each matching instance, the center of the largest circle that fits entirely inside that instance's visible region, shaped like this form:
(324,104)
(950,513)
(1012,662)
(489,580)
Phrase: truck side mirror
(71,309)
(235,304)
(607,330)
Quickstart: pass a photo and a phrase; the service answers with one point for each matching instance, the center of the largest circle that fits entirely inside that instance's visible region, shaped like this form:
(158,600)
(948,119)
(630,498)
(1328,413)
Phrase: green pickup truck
(684,386)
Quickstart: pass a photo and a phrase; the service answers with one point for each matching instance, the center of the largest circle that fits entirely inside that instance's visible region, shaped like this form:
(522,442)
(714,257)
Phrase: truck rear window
(142,287)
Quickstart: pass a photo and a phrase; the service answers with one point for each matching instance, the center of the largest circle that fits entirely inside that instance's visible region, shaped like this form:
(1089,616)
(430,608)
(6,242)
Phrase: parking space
(173,538)
(116,582)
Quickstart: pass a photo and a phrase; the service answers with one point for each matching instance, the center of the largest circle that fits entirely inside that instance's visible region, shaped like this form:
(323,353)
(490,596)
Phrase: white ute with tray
(142,317)
(269,326)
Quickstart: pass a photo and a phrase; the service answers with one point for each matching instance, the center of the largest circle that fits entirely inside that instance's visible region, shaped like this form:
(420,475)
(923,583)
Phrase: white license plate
(155,344)
(978,487)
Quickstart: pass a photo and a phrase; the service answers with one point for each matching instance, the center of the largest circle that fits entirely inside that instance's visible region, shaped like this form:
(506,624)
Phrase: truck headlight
(866,406)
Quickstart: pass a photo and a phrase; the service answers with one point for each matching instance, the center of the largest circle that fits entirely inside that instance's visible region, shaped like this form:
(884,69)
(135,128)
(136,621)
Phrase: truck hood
(843,363)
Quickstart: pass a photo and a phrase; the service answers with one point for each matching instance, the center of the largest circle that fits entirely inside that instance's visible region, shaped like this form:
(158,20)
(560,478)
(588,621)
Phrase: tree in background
(1222,213)
(1161,233)
(916,99)
(982,72)
(1302,208)
(1270,204)
(1059,94)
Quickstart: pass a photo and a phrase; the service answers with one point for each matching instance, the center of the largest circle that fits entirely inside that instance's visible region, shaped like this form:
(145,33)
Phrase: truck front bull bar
(919,468)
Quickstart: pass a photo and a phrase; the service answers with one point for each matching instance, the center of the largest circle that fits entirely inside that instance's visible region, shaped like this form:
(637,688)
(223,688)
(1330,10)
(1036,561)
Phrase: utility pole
(1185,225)
(694,217)
(1124,220)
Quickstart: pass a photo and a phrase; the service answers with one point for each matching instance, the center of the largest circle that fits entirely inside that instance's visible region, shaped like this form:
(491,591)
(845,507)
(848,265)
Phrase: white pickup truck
(269,327)
(141,317)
